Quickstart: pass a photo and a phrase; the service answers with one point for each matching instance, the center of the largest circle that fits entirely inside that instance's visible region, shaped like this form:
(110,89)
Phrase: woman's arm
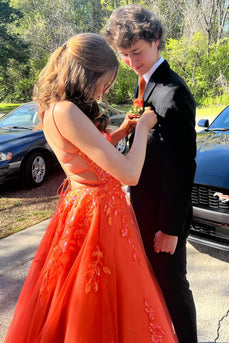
(125,128)
(78,129)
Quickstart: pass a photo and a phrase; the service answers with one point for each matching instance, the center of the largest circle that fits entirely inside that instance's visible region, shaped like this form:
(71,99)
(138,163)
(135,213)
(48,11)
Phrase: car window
(222,121)
(24,116)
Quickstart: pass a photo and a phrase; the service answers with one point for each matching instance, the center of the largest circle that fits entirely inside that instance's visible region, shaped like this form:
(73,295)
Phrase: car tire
(122,145)
(34,169)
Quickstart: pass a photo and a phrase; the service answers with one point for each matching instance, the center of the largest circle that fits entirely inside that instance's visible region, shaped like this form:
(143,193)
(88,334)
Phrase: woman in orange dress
(90,281)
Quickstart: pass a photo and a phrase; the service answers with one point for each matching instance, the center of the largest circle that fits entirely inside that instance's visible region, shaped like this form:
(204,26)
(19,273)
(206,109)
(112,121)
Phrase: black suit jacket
(161,199)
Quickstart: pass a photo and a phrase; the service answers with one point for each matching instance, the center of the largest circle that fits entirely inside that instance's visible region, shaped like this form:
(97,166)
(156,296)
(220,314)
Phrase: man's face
(141,56)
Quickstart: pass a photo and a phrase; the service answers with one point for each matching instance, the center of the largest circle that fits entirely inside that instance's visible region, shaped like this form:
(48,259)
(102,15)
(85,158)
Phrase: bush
(123,90)
(203,67)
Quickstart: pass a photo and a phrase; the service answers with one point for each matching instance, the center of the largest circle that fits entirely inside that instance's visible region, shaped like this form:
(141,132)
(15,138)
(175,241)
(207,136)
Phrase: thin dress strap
(58,130)
(90,164)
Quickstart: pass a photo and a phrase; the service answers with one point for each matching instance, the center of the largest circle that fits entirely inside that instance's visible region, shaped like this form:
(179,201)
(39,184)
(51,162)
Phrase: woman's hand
(125,128)
(129,123)
(148,118)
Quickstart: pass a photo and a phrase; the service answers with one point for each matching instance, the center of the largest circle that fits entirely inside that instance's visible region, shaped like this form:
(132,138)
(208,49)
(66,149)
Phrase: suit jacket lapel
(149,90)
(159,76)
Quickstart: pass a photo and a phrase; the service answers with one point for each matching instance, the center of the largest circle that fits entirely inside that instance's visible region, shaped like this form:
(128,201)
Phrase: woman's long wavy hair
(72,73)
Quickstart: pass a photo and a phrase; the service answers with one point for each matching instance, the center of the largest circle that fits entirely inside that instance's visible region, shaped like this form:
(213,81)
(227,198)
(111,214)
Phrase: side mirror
(203,122)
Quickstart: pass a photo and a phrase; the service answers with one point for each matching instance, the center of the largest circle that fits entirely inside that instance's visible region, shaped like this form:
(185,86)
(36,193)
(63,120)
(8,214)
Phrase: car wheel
(121,145)
(34,169)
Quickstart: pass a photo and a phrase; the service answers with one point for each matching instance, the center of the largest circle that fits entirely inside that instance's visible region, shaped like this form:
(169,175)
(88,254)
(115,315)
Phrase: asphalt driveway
(208,273)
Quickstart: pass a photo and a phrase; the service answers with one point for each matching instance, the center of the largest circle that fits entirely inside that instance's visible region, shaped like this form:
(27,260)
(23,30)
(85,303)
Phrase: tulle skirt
(90,281)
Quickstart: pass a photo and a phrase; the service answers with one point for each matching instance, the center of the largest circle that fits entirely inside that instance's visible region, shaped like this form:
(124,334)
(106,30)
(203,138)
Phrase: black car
(210,193)
(24,151)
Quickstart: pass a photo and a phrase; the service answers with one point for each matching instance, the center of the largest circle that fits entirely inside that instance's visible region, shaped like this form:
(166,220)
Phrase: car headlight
(6,156)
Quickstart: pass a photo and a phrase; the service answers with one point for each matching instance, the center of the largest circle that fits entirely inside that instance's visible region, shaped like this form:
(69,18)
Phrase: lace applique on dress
(125,233)
(95,269)
(73,217)
(156,332)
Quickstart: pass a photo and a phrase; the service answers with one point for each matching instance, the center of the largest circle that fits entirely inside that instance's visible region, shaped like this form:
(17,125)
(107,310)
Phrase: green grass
(206,112)
(210,111)
(5,108)
(203,112)
(16,203)
(122,108)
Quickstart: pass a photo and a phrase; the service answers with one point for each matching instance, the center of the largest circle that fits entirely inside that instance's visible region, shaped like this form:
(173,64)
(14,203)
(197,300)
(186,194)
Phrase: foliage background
(197,43)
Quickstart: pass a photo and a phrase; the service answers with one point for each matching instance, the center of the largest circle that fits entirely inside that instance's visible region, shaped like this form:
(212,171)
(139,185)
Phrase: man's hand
(165,243)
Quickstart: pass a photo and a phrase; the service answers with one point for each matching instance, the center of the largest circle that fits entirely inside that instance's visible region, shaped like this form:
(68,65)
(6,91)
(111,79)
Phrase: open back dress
(90,280)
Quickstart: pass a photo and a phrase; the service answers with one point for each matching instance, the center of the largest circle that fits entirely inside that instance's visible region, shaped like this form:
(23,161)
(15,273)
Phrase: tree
(213,14)
(13,50)
(223,12)
(196,32)
(11,45)
(185,18)
(48,24)
(204,67)
(44,24)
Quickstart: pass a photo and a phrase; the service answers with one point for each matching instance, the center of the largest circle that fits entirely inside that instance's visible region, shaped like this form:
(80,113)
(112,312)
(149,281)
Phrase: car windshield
(25,116)
(221,121)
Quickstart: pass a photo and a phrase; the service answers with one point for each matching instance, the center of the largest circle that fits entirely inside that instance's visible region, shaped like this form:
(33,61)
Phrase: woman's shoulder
(65,106)
(66,112)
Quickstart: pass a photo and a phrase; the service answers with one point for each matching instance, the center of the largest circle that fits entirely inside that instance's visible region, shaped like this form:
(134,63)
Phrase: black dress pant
(170,271)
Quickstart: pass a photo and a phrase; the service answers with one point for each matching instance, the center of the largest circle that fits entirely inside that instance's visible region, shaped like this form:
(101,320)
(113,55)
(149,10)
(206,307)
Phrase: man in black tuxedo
(162,198)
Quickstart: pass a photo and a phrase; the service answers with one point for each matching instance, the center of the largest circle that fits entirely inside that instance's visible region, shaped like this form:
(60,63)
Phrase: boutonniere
(138,106)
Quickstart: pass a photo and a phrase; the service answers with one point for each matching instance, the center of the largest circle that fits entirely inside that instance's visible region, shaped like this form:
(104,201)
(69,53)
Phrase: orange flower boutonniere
(138,107)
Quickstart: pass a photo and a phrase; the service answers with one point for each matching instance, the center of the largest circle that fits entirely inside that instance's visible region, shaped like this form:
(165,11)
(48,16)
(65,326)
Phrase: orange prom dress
(90,281)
